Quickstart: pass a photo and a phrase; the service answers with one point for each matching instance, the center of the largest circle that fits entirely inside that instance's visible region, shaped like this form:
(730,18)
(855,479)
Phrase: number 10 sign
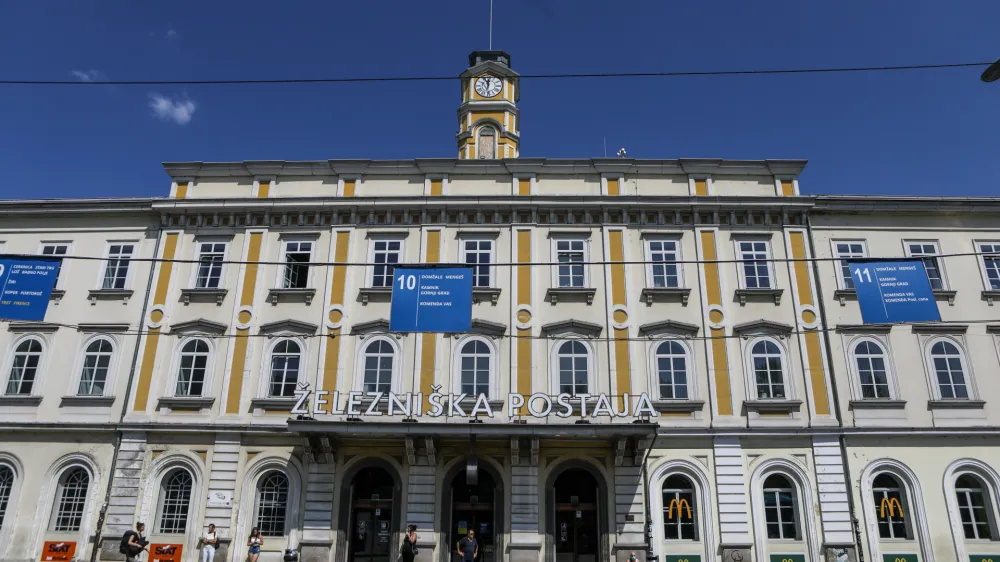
(894,291)
(431,300)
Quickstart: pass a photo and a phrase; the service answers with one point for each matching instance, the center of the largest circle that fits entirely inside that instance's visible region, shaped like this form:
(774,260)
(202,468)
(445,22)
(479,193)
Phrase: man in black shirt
(468,548)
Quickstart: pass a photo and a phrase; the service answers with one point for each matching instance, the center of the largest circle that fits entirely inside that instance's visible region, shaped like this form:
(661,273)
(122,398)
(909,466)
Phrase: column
(731,488)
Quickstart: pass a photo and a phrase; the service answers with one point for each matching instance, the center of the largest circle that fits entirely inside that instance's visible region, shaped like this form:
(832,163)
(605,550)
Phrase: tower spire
(488,118)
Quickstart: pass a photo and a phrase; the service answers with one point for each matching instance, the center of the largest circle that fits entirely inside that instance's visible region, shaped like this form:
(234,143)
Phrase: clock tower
(488,119)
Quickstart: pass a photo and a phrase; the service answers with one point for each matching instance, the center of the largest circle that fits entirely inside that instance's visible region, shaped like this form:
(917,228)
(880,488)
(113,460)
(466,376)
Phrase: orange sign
(58,550)
(165,552)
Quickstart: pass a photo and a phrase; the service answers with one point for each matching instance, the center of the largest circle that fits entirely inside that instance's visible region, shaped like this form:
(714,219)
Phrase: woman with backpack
(254,542)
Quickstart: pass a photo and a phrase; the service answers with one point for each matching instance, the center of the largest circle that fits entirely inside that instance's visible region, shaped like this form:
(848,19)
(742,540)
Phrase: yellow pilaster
(701,187)
(787,188)
(523,381)
(263,189)
(428,342)
(153,337)
(613,187)
(349,186)
(623,363)
(813,350)
(182,190)
(337,288)
(713,297)
(241,341)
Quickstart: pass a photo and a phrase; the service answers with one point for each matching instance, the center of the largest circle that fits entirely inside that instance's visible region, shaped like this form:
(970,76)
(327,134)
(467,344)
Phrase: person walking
(208,544)
(468,548)
(410,543)
(134,542)
(254,543)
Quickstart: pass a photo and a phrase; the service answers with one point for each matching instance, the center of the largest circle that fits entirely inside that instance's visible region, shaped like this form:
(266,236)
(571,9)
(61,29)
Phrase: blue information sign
(431,300)
(894,291)
(26,287)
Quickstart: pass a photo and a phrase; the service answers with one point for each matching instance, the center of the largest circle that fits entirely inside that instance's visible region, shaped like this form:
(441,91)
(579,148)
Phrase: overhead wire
(543,76)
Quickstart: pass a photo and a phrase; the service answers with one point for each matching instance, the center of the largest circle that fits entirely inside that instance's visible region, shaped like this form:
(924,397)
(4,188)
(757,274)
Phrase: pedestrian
(208,543)
(254,543)
(410,543)
(468,548)
(133,542)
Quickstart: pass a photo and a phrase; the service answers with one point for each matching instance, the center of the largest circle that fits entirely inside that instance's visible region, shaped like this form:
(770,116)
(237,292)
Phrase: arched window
(475,365)
(193,365)
(272,499)
(672,370)
(6,488)
(71,500)
(781,510)
(768,370)
(949,369)
(379,358)
(679,509)
(574,368)
(487,143)
(175,500)
(285,358)
(96,363)
(870,360)
(890,508)
(24,368)
(975,508)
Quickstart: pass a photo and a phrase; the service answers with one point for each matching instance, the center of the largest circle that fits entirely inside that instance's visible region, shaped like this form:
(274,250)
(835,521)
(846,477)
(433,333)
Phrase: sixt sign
(53,551)
(165,552)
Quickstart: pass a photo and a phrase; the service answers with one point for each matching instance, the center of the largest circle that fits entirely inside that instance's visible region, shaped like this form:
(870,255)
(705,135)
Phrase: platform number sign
(900,558)
(894,291)
(25,288)
(435,299)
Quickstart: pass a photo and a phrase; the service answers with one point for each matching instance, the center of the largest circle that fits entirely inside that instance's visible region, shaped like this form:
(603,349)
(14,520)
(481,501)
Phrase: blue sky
(903,133)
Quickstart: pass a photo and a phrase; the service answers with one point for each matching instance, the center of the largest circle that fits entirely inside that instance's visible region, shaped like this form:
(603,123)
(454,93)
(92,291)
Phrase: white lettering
(299,408)
(563,400)
(318,402)
(335,404)
(435,400)
(643,406)
(353,403)
(372,408)
(394,403)
(544,398)
(514,401)
(583,404)
(603,407)
(455,405)
(625,405)
(482,407)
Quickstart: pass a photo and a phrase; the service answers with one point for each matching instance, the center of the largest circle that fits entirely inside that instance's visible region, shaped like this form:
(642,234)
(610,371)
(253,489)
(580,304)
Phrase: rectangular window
(889,511)
(385,256)
(479,255)
(116,266)
(56,250)
(297,258)
(928,251)
(663,269)
(991,264)
(571,254)
(211,255)
(679,514)
(755,267)
(845,251)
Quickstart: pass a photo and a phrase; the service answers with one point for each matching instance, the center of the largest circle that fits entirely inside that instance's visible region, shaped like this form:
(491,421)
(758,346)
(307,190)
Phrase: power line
(364,79)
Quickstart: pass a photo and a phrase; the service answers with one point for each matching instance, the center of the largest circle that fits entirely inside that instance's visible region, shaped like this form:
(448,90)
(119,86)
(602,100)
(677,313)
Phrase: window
(175,498)
(573,368)
(6,488)
(671,370)
(24,368)
(948,367)
(679,509)
(755,268)
(211,255)
(96,364)
(71,500)
(478,254)
(475,365)
(974,508)
(379,357)
(297,258)
(870,360)
(765,355)
(991,264)
(571,254)
(487,143)
(56,250)
(272,501)
(928,251)
(846,251)
(285,359)
(116,268)
(385,256)
(663,269)
(780,509)
(192,369)
(889,508)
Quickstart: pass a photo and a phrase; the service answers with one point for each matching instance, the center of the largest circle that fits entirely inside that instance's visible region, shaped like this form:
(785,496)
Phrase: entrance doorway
(577,533)
(475,507)
(371,518)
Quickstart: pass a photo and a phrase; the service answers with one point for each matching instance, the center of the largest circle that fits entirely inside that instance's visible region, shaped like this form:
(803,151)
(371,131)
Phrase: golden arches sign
(893,505)
(680,505)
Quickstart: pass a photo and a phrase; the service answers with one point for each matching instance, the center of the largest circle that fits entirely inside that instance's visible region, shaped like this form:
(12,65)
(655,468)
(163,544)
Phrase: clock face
(488,86)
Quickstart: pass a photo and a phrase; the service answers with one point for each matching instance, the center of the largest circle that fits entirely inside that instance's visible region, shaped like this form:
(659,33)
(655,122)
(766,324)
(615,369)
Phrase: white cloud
(86,75)
(168,109)
(171,33)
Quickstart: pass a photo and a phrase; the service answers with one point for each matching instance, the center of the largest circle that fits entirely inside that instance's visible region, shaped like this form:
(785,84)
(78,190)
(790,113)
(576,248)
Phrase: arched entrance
(576,508)
(477,506)
(372,518)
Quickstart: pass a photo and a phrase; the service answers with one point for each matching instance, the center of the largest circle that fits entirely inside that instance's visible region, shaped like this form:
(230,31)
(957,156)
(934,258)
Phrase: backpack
(124,548)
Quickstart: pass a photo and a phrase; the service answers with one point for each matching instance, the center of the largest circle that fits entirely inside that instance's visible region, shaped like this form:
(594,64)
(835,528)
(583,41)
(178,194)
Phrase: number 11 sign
(431,300)
(894,291)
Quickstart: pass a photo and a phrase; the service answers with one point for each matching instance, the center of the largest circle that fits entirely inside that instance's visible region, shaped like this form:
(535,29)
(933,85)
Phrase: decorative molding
(95,295)
(863,328)
(203,295)
(573,293)
(664,294)
(87,401)
(378,326)
(479,294)
(487,328)
(744,294)
(761,327)
(572,327)
(941,294)
(185,402)
(377,294)
(679,406)
(990,296)
(288,326)
(877,404)
(16,400)
(956,404)
(101,328)
(199,326)
(773,406)
(939,328)
(32,327)
(305,295)
(669,327)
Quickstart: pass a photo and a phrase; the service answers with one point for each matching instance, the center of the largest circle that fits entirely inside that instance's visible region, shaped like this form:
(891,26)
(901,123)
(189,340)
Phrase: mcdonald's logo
(680,504)
(894,506)
(900,558)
